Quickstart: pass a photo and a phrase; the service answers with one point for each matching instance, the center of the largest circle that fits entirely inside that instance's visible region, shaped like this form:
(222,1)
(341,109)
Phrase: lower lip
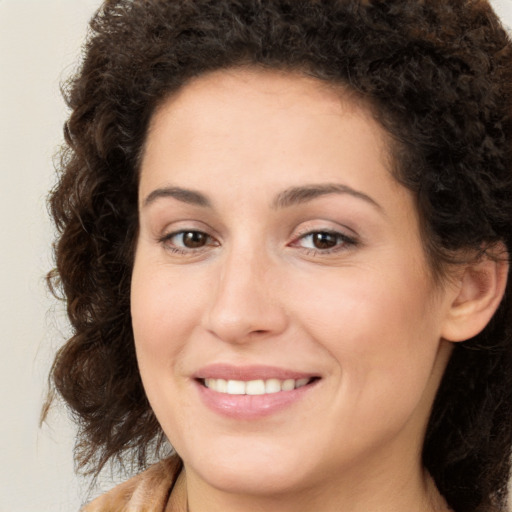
(250,407)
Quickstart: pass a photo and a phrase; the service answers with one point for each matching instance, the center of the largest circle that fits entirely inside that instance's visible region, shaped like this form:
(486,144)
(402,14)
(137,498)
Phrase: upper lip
(249,372)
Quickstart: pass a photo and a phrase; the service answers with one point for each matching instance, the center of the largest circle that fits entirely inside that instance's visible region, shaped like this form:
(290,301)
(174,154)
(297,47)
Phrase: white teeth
(272,386)
(301,382)
(288,385)
(222,385)
(254,387)
(235,387)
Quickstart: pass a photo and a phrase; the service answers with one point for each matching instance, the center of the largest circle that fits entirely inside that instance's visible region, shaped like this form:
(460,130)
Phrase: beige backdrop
(39,43)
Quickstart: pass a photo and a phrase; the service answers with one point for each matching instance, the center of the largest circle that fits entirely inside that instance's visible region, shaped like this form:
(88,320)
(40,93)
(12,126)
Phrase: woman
(283,241)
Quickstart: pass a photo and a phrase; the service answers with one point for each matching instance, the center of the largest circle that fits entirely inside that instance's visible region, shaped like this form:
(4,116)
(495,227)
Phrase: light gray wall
(39,42)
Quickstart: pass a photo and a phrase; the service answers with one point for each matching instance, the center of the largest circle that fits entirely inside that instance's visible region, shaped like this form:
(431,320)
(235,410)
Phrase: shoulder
(148,491)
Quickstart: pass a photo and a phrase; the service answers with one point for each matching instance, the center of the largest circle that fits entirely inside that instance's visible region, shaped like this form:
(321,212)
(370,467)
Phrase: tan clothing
(159,489)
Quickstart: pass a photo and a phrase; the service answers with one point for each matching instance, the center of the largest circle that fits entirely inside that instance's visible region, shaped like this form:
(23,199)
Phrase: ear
(479,288)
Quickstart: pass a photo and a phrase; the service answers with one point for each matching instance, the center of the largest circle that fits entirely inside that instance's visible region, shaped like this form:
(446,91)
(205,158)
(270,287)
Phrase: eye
(187,240)
(324,241)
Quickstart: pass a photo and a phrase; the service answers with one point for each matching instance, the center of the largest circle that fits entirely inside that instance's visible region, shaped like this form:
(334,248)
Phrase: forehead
(260,108)
(295,91)
(247,119)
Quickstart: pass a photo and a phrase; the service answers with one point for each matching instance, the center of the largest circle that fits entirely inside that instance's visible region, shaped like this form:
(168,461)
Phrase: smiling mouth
(255,387)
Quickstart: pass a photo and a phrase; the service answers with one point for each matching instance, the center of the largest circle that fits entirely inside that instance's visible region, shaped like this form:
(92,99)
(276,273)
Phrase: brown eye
(194,239)
(324,240)
(187,241)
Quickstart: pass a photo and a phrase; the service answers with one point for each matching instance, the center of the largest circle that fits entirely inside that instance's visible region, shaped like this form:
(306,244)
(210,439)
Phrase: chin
(249,470)
(252,479)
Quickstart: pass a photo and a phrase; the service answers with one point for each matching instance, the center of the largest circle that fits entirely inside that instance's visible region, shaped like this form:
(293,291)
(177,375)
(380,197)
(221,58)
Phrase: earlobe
(479,291)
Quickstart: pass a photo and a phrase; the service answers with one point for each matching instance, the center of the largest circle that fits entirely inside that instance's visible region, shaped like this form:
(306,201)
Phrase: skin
(363,315)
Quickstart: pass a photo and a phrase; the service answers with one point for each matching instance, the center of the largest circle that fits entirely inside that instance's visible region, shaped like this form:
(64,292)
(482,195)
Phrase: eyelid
(324,226)
(347,241)
(326,231)
(177,249)
(180,225)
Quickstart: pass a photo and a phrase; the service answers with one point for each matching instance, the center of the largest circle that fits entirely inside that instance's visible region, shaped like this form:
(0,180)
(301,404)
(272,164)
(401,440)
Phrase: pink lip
(245,373)
(249,407)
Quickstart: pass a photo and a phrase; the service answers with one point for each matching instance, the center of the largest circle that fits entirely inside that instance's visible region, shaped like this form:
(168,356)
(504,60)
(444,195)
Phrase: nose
(246,301)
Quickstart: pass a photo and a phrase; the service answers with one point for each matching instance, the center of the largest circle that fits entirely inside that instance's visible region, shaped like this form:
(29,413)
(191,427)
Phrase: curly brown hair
(438,77)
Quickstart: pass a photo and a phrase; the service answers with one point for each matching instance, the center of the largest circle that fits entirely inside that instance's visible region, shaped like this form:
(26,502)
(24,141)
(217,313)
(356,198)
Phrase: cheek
(160,303)
(378,328)
(164,313)
(361,306)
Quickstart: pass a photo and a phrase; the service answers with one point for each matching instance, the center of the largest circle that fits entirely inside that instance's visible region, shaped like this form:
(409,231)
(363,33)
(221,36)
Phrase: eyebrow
(303,194)
(289,197)
(181,194)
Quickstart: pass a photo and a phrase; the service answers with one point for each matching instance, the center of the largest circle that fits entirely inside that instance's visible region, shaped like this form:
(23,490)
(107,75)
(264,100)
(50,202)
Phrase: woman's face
(286,325)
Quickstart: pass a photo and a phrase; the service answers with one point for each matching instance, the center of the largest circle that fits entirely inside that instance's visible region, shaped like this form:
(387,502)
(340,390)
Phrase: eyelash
(343,243)
(165,240)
